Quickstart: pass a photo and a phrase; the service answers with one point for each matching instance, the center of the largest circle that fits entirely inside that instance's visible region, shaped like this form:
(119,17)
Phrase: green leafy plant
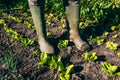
(115,36)
(49,34)
(105,33)
(44,58)
(66,74)
(118,54)
(48,22)
(19,20)
(2,21)
(62,26)
(26,41)
(10,62)
(54,62)
(63,44)
(90,56)
(111,70)
(111,45)
(92,11)
(99,40)
(13,34)
(54,6)
(29,25)
(12,17)
(115,27)
(35,52)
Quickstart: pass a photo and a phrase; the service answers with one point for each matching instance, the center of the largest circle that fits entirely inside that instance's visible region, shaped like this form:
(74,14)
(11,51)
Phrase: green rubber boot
(72,12)
(38,19)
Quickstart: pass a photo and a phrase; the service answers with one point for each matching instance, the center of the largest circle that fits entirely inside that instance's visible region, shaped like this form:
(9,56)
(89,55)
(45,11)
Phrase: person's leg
(72,11)
(37,11)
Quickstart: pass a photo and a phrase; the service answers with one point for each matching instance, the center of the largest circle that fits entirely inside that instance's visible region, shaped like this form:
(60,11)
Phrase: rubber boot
(72,12)
(38,18)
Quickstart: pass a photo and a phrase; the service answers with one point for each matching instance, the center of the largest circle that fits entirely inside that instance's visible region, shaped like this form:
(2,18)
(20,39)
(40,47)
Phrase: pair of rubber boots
(72,16)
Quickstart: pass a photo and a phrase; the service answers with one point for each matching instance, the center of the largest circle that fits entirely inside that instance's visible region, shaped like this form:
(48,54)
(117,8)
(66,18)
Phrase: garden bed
(26,65)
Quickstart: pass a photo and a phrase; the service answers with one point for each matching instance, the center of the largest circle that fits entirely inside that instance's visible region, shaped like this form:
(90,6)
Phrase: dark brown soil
(27,68)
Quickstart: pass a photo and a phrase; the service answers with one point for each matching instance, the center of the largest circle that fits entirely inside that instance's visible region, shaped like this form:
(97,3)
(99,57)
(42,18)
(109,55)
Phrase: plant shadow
(78,68)
(101,58)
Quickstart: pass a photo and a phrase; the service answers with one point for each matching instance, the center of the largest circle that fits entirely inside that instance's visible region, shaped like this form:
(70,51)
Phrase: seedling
(118,54)
(99,40)
(105,33)
(10,62)
(66,74)
(113,28)
(29,25)
(26,41)
(111,45)
(111,70)
(115,36)
(48,22)
(80,24)
(44,58)
(19,20)
(62,44)
(55,62)
(13,34)
(62,26)
(35,52)
(2,21)
(90,57)
(49,34)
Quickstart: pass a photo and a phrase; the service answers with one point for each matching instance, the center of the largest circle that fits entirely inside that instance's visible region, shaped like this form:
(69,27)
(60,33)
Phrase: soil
(27,68)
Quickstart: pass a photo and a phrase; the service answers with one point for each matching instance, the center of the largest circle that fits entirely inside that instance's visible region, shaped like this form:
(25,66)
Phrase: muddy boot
(37,11)
(72,11)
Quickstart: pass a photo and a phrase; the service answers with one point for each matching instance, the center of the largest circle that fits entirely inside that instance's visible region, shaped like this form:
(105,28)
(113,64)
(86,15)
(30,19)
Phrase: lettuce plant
(44,58)
(26,41)
(62,26)
(2,21)
(35,52)
(63,44)
(111,45)
(99,40)
(90,56)
(115,28)
(111,70)
(13,34)
(114,36)
(66,74)
(55,62)
(29,25)
(19,20)
(49,34)
(118,54)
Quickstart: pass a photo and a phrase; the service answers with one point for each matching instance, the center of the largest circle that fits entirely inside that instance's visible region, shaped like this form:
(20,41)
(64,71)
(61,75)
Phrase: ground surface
(26,61)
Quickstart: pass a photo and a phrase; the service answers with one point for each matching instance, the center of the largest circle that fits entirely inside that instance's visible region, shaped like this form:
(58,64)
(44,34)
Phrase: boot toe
(45,46)
(85,47)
